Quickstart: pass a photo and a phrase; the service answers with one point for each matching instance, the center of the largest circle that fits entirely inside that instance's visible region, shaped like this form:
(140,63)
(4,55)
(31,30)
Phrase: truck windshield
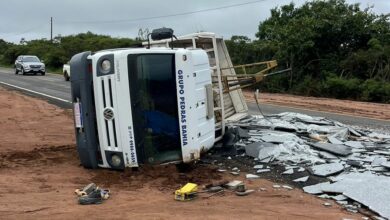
(30,59)
(154,107)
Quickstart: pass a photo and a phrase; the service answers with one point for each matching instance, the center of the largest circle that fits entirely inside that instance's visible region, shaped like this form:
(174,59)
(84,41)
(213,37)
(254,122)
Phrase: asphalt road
(56,90)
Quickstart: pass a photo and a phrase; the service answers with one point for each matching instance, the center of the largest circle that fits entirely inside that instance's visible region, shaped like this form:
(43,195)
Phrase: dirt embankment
(39,171)
(355,108)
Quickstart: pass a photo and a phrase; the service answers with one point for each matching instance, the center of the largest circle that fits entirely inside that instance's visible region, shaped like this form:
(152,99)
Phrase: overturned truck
(166,102)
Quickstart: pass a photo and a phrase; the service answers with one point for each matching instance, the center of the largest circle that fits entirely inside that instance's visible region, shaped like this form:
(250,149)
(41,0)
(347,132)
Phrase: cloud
(31,18)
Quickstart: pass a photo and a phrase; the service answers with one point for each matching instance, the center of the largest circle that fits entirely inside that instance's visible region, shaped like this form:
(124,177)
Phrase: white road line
(35,92)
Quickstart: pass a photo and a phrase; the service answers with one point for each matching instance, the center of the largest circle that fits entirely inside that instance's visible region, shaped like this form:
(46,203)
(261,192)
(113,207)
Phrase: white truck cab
(135,106)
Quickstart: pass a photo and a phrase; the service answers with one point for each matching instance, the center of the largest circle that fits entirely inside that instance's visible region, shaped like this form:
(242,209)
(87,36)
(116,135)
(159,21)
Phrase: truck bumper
(82,95)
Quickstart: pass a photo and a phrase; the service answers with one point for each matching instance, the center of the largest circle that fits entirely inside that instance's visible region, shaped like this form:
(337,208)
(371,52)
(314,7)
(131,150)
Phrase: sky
(30,19)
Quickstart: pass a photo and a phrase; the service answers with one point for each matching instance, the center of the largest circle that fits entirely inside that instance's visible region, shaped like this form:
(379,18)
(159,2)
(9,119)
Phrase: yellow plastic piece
(187,192)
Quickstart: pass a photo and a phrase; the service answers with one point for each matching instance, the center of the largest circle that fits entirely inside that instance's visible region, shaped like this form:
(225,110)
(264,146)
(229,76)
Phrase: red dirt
(355,108)
(39,171)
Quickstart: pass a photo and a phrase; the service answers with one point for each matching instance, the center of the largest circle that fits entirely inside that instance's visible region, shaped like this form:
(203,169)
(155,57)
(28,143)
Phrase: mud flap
(82,95)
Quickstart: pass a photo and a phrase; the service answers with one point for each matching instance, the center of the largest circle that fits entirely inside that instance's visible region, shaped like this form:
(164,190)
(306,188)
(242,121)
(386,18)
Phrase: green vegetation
(335,50)
(58,52)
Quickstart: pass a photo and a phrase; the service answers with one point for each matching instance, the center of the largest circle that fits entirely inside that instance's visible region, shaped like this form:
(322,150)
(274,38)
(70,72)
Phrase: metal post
(51,29)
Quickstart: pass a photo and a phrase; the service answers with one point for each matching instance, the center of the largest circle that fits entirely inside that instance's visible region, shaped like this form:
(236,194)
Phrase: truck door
(154,107)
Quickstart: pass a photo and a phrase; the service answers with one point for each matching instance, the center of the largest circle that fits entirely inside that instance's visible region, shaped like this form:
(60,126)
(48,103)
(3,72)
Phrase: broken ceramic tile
(368,189)
(233,184)
(378,160)
(383,152)
(302,179)
(326,155)
(339,197)
(326,169)
(315,189)
(253,149)
(287,172)
(263,170)
(287,187)
(354,144)
(252,176)
(354,132)
(324,196)
(242,133)
(245,193)
(334,140)
(259,166)
(386,164)
(337,149)
(342,202)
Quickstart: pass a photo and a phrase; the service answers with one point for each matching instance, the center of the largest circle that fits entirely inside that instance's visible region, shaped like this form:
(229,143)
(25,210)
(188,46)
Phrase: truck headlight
(116,160)
(26,66)
(106,66)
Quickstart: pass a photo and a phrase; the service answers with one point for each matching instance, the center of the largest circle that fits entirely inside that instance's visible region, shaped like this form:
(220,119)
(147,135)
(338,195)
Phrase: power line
(165,16)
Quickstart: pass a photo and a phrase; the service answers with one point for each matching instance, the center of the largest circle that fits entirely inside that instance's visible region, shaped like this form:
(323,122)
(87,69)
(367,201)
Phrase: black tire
(66,76)
(22,70)
(43,73)
(16,71)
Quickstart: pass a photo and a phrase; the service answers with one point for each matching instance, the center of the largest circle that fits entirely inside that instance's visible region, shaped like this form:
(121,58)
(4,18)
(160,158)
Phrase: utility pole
(51,29)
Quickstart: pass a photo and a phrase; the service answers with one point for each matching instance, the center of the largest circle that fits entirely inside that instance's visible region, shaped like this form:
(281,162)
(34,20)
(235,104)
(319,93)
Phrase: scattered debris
(187,192)
(326,148)
(234,184)
(245,193)
(366,188)
(259,166)
(235,173)
(339,197)
(327,204)
(91,194)
(276,186)
(287,187)
(252,176)
(263,170)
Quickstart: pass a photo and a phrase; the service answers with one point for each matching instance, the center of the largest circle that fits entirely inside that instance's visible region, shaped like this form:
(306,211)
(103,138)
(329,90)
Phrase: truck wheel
(66,76)
(43,73)
(16,71)
(22,70)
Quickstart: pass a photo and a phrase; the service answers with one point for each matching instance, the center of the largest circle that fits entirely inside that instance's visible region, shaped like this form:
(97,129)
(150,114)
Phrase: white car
(29,64)
(66,71)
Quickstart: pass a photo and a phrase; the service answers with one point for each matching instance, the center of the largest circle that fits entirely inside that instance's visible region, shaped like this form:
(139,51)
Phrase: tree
(325,40)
